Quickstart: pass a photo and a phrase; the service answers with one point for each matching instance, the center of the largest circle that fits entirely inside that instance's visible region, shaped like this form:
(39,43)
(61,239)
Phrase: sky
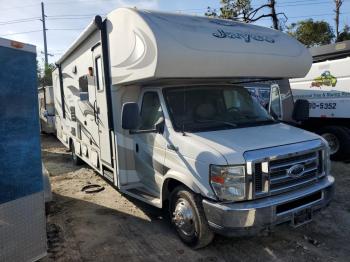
(65,19)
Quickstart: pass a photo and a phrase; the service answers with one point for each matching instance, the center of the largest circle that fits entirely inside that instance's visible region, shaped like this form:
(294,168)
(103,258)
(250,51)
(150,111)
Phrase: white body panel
(330,98)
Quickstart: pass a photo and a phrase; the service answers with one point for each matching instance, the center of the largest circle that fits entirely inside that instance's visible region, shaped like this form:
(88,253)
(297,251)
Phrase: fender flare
(182,179)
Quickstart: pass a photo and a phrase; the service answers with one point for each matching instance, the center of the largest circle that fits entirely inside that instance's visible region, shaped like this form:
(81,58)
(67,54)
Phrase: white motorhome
(327,88)
(46,109)
(156,103)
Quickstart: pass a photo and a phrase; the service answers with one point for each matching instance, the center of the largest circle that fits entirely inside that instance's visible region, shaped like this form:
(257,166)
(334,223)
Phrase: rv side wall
(77,111)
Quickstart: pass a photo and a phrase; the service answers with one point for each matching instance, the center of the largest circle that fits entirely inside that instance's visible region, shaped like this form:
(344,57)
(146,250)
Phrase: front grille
(278,179)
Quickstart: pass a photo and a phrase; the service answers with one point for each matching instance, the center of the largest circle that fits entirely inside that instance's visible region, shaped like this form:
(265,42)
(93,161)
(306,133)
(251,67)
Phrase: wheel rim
(333,142)
(183,217)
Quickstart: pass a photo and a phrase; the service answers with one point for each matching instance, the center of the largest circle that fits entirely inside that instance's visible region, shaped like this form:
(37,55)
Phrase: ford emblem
(296,171)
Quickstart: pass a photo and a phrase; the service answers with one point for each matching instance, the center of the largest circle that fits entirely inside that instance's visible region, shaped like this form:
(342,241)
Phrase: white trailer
(157,104)
(46,110)
(327,88)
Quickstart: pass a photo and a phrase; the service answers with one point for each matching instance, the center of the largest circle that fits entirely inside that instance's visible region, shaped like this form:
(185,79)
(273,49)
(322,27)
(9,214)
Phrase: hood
(234,142)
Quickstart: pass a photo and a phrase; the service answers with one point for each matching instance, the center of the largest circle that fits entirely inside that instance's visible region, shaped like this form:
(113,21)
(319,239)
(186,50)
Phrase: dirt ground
(108,226)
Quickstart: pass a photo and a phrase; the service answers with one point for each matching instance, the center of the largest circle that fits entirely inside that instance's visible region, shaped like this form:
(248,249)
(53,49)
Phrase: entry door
(101,108)
(150,147)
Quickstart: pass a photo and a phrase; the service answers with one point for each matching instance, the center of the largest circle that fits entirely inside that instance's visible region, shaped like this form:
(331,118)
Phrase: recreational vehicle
(46,109)
(156,103)
(326,87)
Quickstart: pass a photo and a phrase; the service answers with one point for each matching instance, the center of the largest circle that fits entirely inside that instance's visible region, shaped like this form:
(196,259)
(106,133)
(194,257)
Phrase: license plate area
(298,203)
(302,217)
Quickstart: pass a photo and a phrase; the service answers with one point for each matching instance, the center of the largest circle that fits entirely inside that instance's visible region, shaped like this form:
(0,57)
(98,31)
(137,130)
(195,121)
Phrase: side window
(151,110)
(99,74)
(83,88)
(275,102)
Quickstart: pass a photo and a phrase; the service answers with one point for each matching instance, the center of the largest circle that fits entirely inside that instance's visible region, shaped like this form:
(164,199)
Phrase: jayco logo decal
(247,37)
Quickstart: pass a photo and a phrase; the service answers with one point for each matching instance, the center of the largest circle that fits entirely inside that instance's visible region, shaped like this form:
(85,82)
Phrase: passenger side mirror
(160,125)
(130,116)
(301,110)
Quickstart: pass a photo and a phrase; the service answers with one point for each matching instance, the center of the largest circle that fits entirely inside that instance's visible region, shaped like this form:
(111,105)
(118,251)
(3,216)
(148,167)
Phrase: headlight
(228,182)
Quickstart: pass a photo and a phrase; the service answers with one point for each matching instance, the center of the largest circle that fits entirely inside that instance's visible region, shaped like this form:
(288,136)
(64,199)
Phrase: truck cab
(223,163)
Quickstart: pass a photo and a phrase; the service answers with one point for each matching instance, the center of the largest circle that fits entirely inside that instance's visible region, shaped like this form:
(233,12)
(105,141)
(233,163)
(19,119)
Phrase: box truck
(327,88)
(46,110)
(22,212)
(157,104)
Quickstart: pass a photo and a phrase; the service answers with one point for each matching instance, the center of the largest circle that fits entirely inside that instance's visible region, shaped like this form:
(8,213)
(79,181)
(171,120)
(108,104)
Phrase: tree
(242,10)
(338,4)
(345,35)
(44,75)
(311,33)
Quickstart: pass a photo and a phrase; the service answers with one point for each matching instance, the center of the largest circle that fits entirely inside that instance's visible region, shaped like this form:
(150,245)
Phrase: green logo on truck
(326,79)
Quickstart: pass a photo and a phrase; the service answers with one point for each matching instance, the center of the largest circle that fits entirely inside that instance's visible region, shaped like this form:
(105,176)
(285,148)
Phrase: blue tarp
(20,157)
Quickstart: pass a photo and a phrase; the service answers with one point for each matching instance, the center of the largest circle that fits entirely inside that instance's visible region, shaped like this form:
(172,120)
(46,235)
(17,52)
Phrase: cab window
(151,110)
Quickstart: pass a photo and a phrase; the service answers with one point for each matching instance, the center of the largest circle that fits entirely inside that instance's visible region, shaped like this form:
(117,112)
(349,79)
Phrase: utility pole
(274,17)
(338,4)
(44,33)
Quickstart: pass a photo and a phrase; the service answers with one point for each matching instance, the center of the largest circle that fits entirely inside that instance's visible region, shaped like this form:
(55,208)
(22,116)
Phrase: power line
(20,33)
(52,29)
(65,29)
(24,20)
(303,4)
(17,7)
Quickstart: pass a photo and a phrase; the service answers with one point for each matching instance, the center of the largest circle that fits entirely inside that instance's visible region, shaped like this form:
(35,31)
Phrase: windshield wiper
(216,121)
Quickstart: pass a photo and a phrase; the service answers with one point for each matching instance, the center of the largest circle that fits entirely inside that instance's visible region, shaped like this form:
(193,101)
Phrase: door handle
(172,147)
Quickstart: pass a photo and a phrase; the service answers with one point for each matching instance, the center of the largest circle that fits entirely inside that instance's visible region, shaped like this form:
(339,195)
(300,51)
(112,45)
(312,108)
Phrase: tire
(75,159)
(194,231)
(338,138)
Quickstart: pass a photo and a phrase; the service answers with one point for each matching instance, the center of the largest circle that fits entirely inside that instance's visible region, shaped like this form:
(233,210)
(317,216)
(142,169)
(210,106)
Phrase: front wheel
(187,215)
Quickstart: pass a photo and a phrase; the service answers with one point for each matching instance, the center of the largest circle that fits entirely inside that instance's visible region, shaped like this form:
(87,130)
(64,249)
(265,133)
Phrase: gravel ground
(108,226)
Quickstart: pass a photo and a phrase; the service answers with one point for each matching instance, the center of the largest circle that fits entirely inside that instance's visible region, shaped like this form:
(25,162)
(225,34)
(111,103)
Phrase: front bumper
(252,217)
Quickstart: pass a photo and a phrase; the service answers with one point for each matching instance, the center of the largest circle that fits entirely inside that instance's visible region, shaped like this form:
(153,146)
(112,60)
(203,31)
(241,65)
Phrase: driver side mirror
(130,116)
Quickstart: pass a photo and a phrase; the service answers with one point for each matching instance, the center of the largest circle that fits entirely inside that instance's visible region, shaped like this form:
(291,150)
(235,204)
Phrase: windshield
(206,108)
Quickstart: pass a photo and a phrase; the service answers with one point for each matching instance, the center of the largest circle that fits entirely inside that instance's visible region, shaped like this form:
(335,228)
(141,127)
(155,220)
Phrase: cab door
(101,108)
(150,147)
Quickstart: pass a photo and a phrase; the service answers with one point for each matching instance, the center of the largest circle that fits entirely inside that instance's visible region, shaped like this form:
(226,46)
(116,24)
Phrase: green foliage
(242,10)
(232,9)
(44,74)
(344,35)
(311,33)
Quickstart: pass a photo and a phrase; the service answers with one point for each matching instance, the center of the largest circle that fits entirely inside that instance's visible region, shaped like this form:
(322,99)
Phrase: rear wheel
(338,139)
(187,215)
(75,159)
